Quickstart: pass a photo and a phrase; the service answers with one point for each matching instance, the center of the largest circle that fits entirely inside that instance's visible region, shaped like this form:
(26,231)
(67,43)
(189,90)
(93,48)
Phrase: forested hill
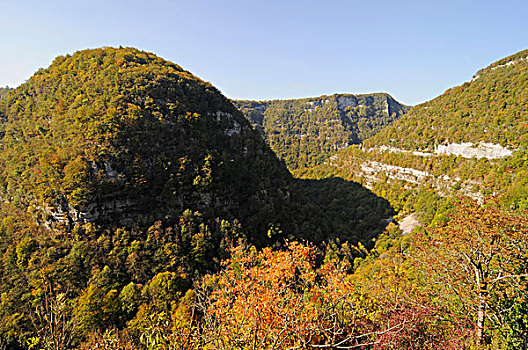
(141,210)
(491,108)
(304,132)
(471,141)
(122,136)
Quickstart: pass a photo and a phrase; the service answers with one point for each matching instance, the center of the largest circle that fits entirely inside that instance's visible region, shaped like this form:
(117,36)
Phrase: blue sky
(414,50)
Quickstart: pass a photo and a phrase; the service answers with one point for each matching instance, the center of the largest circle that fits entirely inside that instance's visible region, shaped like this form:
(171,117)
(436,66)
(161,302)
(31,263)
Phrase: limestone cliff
(304,132)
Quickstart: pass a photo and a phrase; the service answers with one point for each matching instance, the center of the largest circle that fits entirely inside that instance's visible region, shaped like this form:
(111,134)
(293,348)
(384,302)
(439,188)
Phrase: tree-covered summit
(118,136)
(490,108)
(121,135)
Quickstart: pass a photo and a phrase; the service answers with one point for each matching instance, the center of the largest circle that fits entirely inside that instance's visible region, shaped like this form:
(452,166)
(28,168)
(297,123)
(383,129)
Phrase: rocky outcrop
(118,211)
(373,172)
(408,223)
(465,150)
(468,150)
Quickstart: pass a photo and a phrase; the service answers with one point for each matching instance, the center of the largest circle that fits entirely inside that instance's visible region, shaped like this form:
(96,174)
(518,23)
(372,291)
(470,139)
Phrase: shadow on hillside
(341,209)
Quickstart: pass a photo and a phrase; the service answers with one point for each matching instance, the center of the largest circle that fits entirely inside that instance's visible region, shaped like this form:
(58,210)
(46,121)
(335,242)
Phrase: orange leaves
(278,299)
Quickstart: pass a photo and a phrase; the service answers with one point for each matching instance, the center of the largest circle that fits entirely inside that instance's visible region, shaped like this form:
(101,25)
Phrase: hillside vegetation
(124,180)
(141,210)
(489,111)
(121,136)
(469,142)
(490,108)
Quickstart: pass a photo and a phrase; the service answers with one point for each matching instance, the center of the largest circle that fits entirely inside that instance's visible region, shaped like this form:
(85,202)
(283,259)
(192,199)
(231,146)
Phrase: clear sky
(270,49)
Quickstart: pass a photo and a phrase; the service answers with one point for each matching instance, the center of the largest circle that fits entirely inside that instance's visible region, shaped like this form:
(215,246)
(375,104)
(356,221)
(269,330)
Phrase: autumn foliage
(278,300)
(480,260)
(285,300)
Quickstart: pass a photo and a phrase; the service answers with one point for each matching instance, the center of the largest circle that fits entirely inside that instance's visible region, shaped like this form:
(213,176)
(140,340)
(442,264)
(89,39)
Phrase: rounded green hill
(118,135)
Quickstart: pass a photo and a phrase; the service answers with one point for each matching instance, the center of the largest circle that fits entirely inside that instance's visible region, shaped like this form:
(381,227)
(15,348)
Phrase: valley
(142,209)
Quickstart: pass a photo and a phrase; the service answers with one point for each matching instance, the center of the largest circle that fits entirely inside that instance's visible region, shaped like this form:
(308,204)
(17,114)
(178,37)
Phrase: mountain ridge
(306,131)
(472,141)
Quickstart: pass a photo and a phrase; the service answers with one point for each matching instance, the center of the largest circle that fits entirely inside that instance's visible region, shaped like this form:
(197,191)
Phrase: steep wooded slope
(472,141)
(123,179)
(122,136)
(491,108)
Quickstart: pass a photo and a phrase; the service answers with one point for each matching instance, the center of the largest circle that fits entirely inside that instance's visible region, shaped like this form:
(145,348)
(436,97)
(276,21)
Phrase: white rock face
(315,104)
(219,115)
(510,63)
(507,64)
(110,172)
(384,148)
(374,172)
(65,214)
(235,128)
(467,150)
(374,169)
